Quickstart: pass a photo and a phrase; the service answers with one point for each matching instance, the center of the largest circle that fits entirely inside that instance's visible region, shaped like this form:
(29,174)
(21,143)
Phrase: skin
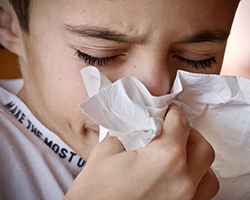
(168,168)
(51,69)
(149,42)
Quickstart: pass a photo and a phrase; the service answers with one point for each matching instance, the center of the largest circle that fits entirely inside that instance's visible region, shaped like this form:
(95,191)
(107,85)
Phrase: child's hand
(175,165)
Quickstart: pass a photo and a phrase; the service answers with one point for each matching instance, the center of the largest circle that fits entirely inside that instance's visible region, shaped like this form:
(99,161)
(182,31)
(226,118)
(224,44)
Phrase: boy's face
(147,39)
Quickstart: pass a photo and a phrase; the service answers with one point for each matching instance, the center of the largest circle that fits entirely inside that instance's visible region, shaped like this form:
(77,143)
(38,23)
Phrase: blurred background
(8,65)
(237,56)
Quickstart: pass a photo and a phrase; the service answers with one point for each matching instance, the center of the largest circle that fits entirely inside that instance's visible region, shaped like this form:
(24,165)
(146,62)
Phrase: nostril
(158,87)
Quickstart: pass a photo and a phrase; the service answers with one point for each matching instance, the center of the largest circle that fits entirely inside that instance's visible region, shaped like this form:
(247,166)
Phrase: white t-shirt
(35,162)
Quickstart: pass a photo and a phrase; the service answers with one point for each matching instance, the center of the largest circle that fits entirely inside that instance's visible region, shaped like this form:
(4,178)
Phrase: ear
(8,38)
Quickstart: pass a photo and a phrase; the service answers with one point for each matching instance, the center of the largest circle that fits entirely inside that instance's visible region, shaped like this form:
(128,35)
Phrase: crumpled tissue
(218,106)
(124,108)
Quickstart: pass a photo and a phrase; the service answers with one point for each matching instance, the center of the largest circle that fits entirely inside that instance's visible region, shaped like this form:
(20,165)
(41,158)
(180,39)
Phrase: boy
(149,40)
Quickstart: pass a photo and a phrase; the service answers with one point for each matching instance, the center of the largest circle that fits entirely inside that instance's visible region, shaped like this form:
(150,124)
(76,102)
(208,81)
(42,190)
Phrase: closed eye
(197,64)
(90,60)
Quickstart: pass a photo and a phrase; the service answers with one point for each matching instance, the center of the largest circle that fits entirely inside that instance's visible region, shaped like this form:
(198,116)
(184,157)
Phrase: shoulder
(12,85)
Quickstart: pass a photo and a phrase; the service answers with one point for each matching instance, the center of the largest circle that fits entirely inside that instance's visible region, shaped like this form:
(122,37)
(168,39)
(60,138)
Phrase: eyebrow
(206,36)
(101,33)
(107,34)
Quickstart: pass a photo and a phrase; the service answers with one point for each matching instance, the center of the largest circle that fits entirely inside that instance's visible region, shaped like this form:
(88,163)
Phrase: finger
(108,146)
(175,129)
(200,154)
(208,186)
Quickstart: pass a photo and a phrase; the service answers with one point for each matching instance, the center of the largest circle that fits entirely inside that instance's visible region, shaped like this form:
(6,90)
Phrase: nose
(156,79)
(154,74)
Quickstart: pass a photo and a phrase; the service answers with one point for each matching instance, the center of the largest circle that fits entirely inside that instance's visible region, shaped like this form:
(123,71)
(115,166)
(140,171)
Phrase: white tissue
(124,109)
(218,106)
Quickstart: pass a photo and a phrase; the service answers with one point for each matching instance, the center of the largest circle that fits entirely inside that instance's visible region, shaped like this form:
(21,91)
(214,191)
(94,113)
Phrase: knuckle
(208,184)
(209,151)
(188,188)
(181,121)
(179,153)
(215,185)
(175,156)
(184,122)
(212,180)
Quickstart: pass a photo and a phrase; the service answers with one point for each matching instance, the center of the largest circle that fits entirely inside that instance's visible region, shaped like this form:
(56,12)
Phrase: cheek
(64,84)
(55,75)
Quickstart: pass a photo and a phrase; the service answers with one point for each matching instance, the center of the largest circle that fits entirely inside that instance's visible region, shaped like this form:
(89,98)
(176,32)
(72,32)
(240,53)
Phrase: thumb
(109,146)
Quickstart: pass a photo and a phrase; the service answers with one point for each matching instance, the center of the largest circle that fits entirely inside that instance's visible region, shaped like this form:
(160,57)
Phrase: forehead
(140,17)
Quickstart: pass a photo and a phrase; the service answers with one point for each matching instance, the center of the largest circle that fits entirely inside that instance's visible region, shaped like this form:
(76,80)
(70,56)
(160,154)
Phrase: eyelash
(95,61)
(197,64)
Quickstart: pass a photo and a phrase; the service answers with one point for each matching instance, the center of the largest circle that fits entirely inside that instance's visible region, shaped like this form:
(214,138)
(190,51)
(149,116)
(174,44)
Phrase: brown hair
(21,8)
